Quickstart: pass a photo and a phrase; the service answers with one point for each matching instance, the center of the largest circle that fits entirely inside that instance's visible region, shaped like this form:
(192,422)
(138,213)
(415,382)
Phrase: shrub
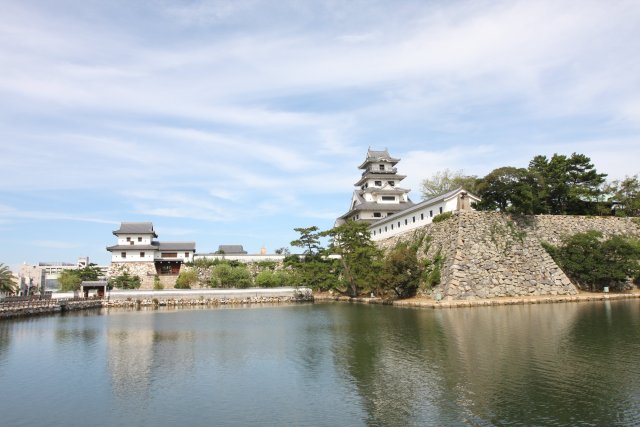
(225,275)
(125,281)
(274,279)
(186,279)
(593,263)
(401,271)
(442,217)
(156,283)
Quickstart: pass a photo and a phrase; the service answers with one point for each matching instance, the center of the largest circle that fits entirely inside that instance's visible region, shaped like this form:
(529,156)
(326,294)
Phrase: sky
(233,122)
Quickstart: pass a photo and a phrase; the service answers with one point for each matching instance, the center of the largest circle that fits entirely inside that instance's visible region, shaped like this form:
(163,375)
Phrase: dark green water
(325,364)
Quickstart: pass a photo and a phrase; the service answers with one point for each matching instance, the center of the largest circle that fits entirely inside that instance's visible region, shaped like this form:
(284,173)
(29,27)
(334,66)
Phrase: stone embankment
(171,298)
(491,255)
(37,307)
(207,297)
(425,302)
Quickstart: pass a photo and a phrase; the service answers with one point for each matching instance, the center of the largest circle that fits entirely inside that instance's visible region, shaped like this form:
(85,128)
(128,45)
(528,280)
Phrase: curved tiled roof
(135,228)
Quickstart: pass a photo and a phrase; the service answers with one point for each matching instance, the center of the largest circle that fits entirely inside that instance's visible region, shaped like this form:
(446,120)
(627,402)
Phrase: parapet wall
(489,254)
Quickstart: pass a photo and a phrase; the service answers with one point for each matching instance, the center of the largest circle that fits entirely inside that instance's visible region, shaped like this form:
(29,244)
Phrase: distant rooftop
(231,249)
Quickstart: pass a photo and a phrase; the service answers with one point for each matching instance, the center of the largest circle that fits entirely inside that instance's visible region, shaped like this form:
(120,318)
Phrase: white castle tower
(378,195)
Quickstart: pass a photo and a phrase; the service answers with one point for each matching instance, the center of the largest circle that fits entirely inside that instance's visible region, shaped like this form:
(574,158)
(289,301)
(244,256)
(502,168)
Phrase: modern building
(43,276)
(384,205)
(379,194)
(139,253)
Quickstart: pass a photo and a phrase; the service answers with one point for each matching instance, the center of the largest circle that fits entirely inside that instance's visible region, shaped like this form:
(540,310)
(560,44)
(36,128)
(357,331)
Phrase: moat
(325,364)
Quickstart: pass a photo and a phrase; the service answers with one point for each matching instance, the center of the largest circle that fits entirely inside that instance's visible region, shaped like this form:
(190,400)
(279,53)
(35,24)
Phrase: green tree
(313,268)
(360,259)
(570,185)
(125,281)
(626,194)
(508,189)
(593,262)
(444,181)
(309,240)
(401,270)
(69,280)
(7,281)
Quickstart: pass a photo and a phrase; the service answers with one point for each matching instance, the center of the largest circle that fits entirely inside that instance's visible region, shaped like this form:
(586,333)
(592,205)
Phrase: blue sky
(232,122)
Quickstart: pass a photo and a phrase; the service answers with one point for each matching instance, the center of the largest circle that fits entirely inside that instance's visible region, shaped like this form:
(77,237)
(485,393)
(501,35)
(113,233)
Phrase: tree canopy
(444,181)
(7,280)
(560,185)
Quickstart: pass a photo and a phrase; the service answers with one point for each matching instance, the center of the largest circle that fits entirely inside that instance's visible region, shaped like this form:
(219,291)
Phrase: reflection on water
(327,364)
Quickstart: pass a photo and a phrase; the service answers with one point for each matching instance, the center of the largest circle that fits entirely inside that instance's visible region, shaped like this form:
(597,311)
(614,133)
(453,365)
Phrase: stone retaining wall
(490,255)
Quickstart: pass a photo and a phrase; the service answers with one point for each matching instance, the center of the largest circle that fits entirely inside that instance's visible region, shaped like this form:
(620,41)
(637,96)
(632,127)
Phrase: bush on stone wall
(442,217)
(224,275)
(593,262)
(124,281)
(186,279)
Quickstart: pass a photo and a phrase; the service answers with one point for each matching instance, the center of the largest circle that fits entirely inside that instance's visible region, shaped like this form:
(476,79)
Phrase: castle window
(169,255)
(381,167)
(392,226)
(380,230)
(131,242)
(374,232)
(139,239)
(377,215)
(414,219)
(123,254)
(378,183)
(141,254)
(440,209)
(186,254)
(421,216)
(406,221)
(128,239)
(391,183)
(385,228)
(388,198)
(430,213)
(398,224)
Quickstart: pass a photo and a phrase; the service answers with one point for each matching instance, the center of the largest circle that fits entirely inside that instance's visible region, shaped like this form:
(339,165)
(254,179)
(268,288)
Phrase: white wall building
(422,214)
(136,244)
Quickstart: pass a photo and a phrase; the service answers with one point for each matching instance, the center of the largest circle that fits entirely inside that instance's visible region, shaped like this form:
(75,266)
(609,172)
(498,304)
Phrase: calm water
(325,364)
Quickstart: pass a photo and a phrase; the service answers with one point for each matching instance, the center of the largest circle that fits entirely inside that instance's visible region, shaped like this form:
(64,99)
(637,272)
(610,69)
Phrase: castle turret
(378,194)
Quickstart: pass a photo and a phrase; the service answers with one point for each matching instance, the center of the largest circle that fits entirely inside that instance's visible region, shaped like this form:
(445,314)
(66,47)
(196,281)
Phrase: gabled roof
(135,228)
(378,156)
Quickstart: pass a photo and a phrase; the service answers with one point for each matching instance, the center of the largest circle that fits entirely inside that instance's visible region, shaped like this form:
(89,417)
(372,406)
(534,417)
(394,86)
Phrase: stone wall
(490,255)
(145,270)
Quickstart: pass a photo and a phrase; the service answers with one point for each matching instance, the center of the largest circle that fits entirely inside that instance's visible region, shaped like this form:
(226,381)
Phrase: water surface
(325,364)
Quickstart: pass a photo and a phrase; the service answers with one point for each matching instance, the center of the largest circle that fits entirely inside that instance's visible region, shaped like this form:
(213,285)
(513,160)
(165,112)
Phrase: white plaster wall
(133,255)
(184,256)
(422,216)
(122,239)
